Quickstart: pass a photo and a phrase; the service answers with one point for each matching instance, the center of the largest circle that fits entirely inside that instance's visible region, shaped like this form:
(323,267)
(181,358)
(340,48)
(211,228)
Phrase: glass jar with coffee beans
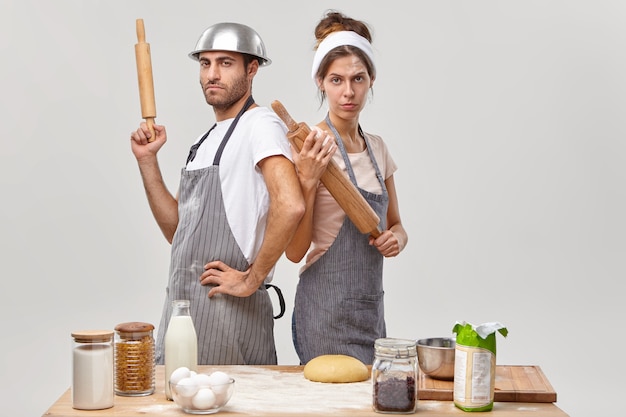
(394,376)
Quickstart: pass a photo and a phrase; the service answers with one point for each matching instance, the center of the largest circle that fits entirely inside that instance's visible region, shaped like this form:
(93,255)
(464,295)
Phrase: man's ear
(253,67)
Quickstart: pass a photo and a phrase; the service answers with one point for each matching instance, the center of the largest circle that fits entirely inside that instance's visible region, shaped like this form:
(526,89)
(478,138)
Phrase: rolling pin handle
(141,31)
(280,110)
(150,123)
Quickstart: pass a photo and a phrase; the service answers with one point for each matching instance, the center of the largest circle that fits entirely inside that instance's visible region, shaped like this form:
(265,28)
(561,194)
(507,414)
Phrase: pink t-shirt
(328,216)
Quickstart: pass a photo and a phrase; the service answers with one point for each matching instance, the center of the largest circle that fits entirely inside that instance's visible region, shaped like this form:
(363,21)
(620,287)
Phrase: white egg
(204,399)
(219,378)
(202,380)
(192,374)
(184,402)
(220,397)
(186,387)
(178,374)
(219,381)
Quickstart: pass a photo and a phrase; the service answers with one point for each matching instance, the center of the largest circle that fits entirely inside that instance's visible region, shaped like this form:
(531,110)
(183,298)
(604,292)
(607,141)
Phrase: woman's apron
(339,299)
(231,330)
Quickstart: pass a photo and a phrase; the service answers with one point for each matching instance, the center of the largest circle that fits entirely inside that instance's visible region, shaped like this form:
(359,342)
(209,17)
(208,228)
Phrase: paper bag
(475,365)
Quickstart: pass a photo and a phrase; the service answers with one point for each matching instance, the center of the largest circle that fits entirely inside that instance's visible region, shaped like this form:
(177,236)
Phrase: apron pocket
(364,318)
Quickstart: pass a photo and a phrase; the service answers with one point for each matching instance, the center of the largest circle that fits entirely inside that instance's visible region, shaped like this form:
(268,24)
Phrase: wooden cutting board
(516,383)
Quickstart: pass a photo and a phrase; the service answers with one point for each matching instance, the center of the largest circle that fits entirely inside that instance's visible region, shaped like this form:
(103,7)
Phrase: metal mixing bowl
(435,356)
(235,37)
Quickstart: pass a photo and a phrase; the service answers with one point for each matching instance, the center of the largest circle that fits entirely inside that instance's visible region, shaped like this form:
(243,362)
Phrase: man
(238,205)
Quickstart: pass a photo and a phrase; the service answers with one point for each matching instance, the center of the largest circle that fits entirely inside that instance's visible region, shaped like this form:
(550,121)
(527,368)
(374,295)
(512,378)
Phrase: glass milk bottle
(92,369)
(181,342)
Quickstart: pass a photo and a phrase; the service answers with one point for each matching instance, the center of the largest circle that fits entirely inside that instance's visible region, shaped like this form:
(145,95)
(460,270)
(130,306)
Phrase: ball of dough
(336,368)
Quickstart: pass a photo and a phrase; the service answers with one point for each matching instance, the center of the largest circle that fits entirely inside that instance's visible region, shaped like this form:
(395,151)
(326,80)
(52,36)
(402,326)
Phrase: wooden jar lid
(92,336)
(134,327)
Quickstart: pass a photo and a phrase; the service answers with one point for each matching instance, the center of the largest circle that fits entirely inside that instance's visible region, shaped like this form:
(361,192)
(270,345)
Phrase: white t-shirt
(259,134)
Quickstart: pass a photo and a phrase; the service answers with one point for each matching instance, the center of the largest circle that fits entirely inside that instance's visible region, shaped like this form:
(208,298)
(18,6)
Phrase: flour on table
(287,392)
(158,408)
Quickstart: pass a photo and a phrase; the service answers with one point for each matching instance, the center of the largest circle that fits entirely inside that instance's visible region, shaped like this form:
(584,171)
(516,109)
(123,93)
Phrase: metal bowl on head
(234,37)
(435,356)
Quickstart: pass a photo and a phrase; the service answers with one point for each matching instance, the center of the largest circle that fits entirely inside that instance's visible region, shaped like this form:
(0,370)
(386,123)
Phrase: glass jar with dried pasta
(134,359)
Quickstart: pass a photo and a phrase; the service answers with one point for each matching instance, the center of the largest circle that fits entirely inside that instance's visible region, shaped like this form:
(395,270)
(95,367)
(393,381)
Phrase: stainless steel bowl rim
(434,360)
(427,342)
(234,37)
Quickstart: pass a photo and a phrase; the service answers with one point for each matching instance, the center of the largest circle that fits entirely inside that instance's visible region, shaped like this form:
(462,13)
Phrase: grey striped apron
(339,305)
(231,330)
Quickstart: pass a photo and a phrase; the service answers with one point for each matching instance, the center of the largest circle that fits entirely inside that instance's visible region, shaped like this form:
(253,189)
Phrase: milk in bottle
(181,342)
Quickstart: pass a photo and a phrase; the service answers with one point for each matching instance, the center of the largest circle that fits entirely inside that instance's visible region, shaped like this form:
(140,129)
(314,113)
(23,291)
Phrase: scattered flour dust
(290,392)
(159,409)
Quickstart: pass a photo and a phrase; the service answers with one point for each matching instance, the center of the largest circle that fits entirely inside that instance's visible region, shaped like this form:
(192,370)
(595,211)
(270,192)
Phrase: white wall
(505,118)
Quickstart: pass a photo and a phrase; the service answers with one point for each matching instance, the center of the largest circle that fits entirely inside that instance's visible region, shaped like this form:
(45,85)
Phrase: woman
(339,299)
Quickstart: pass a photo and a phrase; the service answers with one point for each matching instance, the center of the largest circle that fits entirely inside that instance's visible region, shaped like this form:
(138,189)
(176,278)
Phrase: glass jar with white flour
(92,369)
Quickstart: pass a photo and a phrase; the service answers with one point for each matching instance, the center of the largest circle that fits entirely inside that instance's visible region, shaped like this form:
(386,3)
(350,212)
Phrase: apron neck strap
(218,155)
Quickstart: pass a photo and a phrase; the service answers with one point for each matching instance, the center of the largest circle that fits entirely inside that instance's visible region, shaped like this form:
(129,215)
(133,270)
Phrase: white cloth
(259,134)
(336,39)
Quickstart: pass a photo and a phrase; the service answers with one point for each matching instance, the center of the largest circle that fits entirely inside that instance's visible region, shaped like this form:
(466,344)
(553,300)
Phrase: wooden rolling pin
(144,75)
(337,183)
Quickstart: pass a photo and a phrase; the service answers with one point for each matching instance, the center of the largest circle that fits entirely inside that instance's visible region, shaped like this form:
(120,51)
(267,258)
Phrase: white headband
(336,39)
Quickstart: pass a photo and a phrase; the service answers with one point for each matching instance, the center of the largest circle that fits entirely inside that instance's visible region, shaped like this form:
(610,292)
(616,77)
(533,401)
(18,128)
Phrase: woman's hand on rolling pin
(312,160)
(387,244)
(139,141)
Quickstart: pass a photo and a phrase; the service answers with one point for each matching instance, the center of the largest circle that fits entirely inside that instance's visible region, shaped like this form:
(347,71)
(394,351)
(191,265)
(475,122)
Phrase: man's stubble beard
(234,93)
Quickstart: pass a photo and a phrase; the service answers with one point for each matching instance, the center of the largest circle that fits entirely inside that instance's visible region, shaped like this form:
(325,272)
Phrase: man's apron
(339,299)
(231,330)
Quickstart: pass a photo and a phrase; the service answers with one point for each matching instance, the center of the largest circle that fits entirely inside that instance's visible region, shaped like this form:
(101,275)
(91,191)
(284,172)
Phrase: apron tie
(281,299)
